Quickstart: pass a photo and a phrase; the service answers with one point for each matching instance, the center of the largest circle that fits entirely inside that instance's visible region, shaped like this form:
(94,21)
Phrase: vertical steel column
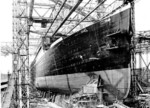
(21,56)
(133,59)
(15,55)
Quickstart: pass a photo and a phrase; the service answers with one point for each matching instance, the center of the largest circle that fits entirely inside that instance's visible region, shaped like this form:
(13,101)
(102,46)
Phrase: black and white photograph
(75,53)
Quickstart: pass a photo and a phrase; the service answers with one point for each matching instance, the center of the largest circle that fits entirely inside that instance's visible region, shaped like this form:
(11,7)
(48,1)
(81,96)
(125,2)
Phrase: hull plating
(100,49)
(116,82)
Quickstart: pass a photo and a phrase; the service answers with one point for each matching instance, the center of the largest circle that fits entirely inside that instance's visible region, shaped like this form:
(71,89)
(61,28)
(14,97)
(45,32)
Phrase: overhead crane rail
(80,10)
(87,15)
(72,10)
(55,17)
(76,8)
(101,3)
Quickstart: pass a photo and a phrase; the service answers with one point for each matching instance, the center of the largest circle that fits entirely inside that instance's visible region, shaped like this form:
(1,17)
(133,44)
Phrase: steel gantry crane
(55,16)
(23,19)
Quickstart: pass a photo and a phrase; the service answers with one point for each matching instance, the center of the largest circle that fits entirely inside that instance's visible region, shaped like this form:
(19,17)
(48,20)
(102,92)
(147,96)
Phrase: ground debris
(42,103)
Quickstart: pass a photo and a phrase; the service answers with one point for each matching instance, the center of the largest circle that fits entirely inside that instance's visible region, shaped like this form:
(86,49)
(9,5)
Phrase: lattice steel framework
(140,45)
(21,55)
(87,13)
(142,59)
(46,17)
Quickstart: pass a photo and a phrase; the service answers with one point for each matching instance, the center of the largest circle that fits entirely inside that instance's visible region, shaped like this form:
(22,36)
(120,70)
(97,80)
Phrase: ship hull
(102,49)
(116,82)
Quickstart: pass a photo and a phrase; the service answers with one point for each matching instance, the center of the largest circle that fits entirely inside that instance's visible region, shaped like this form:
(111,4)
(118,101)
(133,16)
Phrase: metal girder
(143,50)
(78,10)
(44,4)
(77,13)
(38,32)
(37,4)
(72,10)
(55,17)
(134,87)
(87,15)
(31,9)
(50,20)
(21,54)
(107,15)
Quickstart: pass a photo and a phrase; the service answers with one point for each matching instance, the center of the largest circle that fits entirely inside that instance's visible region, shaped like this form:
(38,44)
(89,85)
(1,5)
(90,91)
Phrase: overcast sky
(142,19)
(5,33)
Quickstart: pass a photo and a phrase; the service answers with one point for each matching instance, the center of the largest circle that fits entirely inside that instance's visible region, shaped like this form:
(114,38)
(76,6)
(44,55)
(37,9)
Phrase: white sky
(5,33)
(142,18)
(142,15)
